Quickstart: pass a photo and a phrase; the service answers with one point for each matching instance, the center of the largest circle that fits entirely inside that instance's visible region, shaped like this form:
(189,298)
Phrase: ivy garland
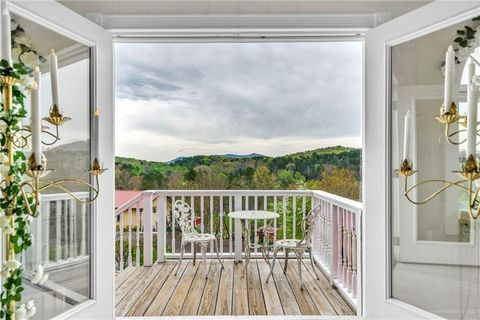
(10,197)
(466,41)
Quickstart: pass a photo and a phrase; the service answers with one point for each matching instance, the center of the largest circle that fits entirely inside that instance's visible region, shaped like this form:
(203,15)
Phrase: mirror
(62,230)
(435,250)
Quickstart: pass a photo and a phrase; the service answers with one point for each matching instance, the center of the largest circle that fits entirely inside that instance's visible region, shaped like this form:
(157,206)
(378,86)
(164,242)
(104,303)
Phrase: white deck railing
(59,232)
(149,232)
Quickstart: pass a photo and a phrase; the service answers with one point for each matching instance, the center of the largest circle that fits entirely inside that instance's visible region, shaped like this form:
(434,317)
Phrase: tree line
(333,169)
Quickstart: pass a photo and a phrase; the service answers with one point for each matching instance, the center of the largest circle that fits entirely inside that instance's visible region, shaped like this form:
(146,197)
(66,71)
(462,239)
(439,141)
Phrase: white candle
(35,119)
(449,67)
(96,122)
(472,112)
(54,77)
(6,37)
(407,136)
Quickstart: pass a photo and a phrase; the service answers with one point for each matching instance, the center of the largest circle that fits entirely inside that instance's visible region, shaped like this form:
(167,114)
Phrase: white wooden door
(56,17)
(377,150)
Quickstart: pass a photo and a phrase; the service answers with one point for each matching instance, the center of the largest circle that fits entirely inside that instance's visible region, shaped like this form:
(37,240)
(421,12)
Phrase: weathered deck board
(256,302)
(240,292)
(270,293)
(209,297)
(156,291)
(149,294)
(225,291)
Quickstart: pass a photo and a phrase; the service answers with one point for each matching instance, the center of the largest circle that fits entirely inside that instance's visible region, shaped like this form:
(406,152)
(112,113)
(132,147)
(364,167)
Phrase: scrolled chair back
(183,216)
(309,223)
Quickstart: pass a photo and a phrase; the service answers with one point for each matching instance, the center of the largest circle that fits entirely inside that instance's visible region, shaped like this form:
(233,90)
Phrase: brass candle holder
(36,168)
(469,173)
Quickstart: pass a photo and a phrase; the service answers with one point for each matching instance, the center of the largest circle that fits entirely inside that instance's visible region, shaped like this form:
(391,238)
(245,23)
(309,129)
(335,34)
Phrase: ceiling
(396,8)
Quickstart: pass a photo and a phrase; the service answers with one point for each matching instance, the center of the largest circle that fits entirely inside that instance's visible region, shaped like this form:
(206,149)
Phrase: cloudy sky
(214,98)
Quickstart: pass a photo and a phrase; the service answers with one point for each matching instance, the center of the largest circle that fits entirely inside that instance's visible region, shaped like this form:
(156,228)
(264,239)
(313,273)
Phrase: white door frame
(377,165)
(57,17)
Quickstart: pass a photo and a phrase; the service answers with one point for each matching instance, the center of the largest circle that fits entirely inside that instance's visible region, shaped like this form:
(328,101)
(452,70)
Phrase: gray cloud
(231,92)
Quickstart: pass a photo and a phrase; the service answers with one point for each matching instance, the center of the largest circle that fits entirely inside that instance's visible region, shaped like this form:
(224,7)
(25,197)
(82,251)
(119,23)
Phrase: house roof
(123,196)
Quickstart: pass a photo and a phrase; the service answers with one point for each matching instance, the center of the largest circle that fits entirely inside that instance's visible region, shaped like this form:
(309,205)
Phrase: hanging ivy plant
(18,228)
(466,41)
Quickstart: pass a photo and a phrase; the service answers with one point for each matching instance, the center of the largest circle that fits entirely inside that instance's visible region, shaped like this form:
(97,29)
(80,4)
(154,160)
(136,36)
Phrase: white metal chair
(298,246)
(183,216)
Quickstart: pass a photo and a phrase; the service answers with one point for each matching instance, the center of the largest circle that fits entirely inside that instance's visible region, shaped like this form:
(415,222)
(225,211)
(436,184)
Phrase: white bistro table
(246,216)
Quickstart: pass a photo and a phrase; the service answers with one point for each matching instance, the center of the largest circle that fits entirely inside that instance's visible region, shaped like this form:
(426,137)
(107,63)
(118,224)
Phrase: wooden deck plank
(256,302)
(240,293)
(159,304)
(305,302)
(122,308)
(155,291)
(126,286)
(120,277)
(194,295)
(321,302)
(270,294)
(336,300)
(287,298)
(209,296)
(156,285)
(225,291)
(179,294)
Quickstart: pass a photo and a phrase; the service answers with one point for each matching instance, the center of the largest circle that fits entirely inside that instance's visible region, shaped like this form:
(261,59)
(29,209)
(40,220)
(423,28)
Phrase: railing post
(238,231)
(335,238)
(147,228)
(161,228)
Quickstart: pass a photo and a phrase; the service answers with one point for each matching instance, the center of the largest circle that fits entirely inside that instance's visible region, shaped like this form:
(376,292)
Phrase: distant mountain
(228,155)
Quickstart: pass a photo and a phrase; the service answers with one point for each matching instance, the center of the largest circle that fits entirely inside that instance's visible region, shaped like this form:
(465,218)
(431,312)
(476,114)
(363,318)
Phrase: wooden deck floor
(155,291)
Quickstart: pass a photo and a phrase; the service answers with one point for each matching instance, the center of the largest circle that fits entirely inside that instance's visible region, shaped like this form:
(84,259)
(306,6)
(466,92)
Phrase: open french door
(380,147)
(84,235)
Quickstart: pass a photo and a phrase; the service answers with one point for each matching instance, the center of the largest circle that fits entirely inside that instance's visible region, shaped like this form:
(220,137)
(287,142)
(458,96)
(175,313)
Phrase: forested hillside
(333,169)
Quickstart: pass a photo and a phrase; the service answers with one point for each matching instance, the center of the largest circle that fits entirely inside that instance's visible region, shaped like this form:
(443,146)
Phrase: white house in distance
(408,250)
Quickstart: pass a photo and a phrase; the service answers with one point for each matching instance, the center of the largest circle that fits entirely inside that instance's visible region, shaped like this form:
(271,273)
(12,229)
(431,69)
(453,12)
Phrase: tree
(343,182)
(263,179)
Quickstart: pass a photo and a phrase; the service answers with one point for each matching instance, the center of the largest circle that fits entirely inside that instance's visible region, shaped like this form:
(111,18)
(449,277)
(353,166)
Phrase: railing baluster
(120,231)
(130,222)
(238,230)
(211,223)
(344,248)
(65,226)
(71,219)
(58,230)
(255,224)
(192,206)
(275,219)
(173,227)
(162,227)
(294,213)
(230,234)
(340,243)
(83,243)
(46,234)
(284,213)
(137,235)
(147,228)
(221,224)
(202,214)
(265,208)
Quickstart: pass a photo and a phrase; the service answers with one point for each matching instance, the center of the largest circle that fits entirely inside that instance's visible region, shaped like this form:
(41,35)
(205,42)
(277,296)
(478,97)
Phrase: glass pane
(62,230)
(435,254)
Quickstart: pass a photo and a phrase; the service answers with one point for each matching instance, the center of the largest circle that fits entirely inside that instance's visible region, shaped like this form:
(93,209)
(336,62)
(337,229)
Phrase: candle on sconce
(35,125)
(407,136)
(54,77)
(96,123)
(6,52)
(449,67)
(471,112)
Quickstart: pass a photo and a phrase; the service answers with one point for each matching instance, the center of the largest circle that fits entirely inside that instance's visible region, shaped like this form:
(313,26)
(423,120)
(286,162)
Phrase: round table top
(253,215)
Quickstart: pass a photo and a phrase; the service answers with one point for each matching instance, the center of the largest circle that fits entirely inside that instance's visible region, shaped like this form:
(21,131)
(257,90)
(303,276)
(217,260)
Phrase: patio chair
(298,246)
(183,217)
